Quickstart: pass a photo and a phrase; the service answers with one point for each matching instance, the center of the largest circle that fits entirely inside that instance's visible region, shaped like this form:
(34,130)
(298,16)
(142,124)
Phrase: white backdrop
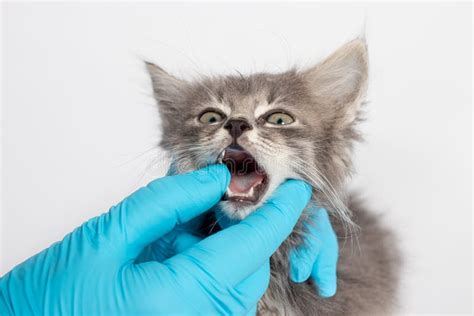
(80,126)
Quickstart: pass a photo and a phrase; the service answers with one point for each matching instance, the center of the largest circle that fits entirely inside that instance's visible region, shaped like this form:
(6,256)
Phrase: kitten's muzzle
(249,180)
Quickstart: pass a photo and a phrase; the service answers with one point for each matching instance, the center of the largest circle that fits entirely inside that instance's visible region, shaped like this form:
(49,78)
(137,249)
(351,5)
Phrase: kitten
(298,124)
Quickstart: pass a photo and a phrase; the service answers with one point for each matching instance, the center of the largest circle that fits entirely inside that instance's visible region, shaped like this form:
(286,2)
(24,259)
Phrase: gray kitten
(270,127)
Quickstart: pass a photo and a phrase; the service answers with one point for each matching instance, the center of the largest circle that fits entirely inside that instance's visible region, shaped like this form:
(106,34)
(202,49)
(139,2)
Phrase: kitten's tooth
(221,156)
(250,194)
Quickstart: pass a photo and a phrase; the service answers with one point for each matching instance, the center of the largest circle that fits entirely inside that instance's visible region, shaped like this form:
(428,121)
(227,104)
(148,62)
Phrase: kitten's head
(267,127)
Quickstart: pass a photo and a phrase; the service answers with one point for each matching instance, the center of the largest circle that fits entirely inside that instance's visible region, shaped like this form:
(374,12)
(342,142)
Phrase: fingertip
(300,271)
(299,186)
(299,274)
(308,187)
(326,282)
(327,291)
(220,172)
(294,193)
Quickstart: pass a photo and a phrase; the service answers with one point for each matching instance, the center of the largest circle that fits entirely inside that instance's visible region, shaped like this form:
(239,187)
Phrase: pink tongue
(243,183)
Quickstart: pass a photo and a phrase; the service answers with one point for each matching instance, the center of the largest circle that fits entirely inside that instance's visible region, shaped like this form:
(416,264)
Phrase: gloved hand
(317,256)
(93,270)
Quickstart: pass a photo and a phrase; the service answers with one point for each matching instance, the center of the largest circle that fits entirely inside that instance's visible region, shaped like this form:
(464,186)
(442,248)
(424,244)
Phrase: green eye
(280,119)
(210,117)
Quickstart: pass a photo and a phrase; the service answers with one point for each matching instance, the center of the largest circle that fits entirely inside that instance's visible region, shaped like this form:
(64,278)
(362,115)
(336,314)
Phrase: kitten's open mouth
(249,181)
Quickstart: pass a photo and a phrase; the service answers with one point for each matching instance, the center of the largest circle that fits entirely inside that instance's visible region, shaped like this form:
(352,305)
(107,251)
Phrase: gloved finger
(303,258)
(325,277)
(234,253)
(250,290)
(156,209)
(324,269)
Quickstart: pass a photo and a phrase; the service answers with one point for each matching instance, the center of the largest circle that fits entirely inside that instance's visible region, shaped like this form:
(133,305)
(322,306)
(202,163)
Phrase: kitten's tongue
(243,183)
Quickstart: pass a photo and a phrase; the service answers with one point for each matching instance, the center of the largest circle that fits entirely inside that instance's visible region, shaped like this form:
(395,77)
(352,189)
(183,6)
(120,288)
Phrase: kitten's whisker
(216,222)
(316,178)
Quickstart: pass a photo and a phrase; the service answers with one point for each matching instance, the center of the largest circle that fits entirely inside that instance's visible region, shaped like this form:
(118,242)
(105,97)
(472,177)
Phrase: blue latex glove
(93,270)
(317,256)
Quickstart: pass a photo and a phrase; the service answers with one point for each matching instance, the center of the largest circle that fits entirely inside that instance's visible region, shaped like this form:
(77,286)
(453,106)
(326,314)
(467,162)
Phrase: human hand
(316,257)
(93,270)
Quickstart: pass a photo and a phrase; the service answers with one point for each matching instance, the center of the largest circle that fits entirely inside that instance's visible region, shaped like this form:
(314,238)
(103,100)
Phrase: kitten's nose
(236,127)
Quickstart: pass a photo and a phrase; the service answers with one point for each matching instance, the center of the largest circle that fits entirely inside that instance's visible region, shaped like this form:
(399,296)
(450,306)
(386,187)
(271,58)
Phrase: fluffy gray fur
(326,101)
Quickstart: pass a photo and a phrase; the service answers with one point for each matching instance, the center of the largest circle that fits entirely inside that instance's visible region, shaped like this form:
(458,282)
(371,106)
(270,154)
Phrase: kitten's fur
(326,101)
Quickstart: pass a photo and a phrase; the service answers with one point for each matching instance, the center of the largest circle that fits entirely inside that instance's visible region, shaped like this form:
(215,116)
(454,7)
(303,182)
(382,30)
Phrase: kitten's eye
(280,119)
(210,117)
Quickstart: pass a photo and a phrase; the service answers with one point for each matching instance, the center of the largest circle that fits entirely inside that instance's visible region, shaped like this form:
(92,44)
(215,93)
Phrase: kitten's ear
(340,81)
(167,89)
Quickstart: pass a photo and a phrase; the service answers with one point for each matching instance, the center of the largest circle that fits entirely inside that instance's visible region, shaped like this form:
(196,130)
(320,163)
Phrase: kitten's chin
(237,210)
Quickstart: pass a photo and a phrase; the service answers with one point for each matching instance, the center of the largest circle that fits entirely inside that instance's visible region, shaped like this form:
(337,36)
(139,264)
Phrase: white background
(80,127)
